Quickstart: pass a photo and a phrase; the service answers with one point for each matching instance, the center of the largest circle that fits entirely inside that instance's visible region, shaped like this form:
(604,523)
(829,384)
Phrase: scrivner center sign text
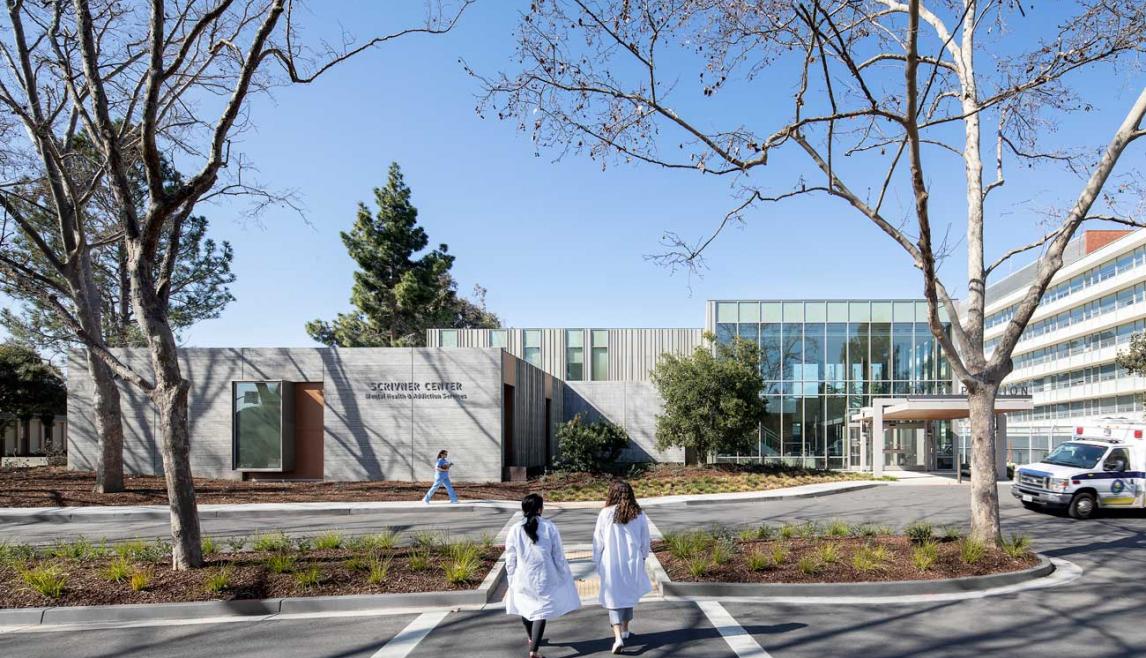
(415,391)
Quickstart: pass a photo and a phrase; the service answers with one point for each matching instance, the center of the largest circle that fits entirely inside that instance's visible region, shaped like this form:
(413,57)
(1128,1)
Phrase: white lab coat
(540,582)
(620,551)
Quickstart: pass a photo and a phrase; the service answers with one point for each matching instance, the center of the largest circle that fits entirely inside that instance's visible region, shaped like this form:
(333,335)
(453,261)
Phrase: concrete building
(849,384)
(36,440)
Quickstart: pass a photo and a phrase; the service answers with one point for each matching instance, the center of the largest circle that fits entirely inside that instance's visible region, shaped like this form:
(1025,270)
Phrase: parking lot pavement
(661,629)
(471,522)
(345,637)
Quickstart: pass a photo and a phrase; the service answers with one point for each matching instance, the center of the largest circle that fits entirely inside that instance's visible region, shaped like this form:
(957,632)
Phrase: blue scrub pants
(439,481)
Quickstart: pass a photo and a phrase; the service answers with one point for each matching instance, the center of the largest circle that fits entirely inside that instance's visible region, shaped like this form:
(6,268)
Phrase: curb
(793,496)
(871,589)
(142,612)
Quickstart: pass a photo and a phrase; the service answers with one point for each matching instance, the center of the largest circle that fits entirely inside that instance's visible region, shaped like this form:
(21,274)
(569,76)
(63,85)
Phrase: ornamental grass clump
(328,541)
(140,580)
(381,541)
(810,566)
(685,545)
(838,528)
(118,570)
(919,532)
(280,563)
(866,560)
(218,581)
(779,555)
(828,554)
(78,549)
(463,570)
(757,560)
(48,581)
(698,565)
(210,546)
(787,531)
(419,560)
(276,542)
(1017,546)
(377,571)
(309,577)
(925,555)
(972,551)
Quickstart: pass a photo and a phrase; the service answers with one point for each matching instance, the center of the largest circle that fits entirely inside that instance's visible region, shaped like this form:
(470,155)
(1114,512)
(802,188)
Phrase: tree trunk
(109,427)
(984,482)
(105,393)
(170,398)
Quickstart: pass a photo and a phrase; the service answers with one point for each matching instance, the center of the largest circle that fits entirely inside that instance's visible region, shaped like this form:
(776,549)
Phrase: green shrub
(419,560)
(210,546)
(462,570)
(828,554)
(589,447)
(747,534)
(698,565)
(919,532)
(308,577)
(48,581)
(379,569)
(131,550)
(486,540)
(303,544)
(356,563)
(757,560)
(787,531)
(236,544)
(838,528)
(218,581)
(810,566)
(118,570)
(952,533)
(15,555)
(1017,546)
(809,530)
(866,530)
(271,543)
(971,551)
(140,580)
(765,531)
(328,541)
(925,555)
(280,562)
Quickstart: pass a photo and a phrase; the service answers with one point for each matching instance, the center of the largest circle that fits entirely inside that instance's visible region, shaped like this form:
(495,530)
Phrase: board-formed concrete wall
(366,436)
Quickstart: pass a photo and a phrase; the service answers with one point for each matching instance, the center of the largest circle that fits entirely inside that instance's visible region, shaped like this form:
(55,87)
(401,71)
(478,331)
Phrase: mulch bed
(250,578)
(53,486)
(899,566)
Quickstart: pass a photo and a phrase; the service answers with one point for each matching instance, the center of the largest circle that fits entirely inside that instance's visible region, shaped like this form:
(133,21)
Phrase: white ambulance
(1103,466)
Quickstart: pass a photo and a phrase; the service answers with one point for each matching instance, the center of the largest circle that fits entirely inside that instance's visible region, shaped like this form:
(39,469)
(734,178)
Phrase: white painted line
(406,640)
(738,639)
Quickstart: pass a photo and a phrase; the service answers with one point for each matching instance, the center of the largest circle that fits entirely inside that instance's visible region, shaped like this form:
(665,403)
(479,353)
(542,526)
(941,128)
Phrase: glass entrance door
(906,447)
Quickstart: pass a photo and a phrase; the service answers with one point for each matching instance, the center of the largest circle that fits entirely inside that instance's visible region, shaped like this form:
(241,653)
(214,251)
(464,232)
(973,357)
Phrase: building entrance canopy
(884,413)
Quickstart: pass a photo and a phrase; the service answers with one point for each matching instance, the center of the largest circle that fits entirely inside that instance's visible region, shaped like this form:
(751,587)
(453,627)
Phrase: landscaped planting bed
(835,553)
(260,567)
(53,486)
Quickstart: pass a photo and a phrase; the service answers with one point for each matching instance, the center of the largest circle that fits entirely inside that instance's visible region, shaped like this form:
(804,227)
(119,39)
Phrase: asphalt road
(1098,615)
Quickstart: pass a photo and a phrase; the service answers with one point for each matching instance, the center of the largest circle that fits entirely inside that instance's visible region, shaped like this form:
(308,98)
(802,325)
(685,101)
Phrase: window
(600,348)
(533,347)
(497,338)
(1117,461)
(574,355)
(260,425)
(449,338)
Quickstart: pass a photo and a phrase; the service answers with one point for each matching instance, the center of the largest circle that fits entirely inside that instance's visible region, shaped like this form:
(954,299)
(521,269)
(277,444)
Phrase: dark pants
(535,629)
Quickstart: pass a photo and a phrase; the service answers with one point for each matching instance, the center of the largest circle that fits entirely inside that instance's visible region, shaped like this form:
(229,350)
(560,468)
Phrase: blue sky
(557,243)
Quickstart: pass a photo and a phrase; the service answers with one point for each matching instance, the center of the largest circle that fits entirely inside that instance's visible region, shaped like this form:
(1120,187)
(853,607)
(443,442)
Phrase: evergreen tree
(400,290)
(29,388)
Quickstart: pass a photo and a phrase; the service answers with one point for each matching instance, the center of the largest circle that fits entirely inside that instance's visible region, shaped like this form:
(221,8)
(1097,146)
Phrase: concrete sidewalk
(112,514)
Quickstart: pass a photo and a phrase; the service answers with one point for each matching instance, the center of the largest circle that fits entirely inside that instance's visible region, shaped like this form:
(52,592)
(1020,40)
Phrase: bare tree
(873,97)
(141,82)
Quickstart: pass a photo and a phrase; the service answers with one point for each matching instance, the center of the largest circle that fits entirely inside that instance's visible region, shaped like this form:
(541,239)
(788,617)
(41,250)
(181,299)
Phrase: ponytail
(531,508)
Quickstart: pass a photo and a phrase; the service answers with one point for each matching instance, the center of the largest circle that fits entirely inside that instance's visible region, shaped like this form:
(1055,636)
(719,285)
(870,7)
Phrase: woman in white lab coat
(541,584)
(620,547)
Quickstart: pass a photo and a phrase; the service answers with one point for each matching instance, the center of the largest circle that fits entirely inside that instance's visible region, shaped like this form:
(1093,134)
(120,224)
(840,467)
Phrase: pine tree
(400,290)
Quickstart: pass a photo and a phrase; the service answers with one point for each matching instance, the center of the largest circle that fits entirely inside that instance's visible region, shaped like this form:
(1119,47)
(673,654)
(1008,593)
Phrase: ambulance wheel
(1082,506)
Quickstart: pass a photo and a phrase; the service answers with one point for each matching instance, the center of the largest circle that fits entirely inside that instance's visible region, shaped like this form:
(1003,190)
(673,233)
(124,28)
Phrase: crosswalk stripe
(738,639)
(408,638)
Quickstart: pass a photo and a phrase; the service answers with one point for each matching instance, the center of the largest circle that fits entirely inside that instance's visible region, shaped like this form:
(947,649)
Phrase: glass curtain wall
(823,360)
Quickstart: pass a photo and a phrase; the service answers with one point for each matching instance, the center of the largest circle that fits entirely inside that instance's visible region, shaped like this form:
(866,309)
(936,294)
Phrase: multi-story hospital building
(855,383)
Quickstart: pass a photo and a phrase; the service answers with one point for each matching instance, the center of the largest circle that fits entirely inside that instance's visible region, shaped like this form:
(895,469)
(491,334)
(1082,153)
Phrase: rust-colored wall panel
(308,425)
